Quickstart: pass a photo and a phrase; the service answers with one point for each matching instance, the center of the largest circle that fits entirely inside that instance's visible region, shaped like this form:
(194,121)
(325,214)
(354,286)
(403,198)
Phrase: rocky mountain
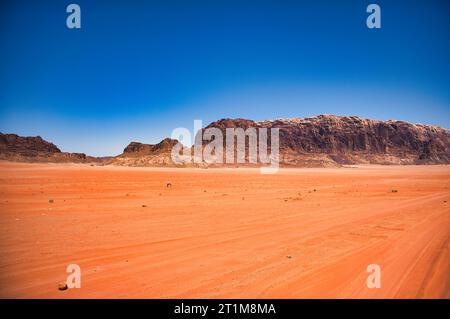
(139,154)
(324,140)
(328,139)
(35,149)
(27,146)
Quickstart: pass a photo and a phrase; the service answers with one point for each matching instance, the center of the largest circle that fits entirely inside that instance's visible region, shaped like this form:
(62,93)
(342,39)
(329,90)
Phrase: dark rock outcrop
(26,146)
(139,154)
(324,140)
(35,149)
(353,140)
(138,149)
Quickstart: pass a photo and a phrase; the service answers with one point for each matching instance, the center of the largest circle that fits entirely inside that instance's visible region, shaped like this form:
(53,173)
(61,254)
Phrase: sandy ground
(224,233)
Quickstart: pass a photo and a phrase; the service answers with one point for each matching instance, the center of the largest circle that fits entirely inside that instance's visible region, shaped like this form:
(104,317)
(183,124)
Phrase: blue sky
(138,69)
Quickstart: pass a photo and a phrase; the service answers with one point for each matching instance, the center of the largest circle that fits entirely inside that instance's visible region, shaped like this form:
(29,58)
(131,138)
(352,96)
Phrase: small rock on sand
(62,286)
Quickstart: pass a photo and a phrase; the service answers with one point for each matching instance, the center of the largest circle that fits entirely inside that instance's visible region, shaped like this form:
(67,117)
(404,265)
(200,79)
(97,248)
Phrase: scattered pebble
(62,286)
(51,201)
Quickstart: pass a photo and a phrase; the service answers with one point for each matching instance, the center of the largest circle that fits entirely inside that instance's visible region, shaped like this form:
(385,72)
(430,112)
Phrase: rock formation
(35,149)
(139,154)
(324,140)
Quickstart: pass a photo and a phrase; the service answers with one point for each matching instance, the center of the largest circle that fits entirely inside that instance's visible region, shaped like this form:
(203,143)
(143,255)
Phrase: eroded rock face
(136,148)
(140,149)
(352,140)
(139,154)
(26,146)
(325,140)
(35,149)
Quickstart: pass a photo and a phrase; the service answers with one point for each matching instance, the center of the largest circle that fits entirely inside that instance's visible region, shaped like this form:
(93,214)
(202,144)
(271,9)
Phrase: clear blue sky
(138,69)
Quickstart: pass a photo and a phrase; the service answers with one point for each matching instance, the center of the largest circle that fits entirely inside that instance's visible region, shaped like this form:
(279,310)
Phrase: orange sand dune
(224,233)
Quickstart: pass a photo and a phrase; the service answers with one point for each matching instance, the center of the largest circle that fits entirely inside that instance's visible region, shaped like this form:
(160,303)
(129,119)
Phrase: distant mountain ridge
(139,154)
(324,140)
(35,149)
(353,140)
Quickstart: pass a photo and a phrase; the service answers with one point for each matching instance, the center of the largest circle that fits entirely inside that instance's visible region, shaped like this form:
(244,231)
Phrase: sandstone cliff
(324,140)
(35,149)
(353,140)
(139,154)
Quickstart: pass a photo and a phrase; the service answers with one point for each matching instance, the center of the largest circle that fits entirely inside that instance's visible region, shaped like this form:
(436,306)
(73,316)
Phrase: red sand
(224,233)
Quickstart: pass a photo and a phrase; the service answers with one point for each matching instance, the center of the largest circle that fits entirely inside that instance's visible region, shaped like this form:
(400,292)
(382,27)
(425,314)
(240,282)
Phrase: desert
(224,155)
(224,232)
